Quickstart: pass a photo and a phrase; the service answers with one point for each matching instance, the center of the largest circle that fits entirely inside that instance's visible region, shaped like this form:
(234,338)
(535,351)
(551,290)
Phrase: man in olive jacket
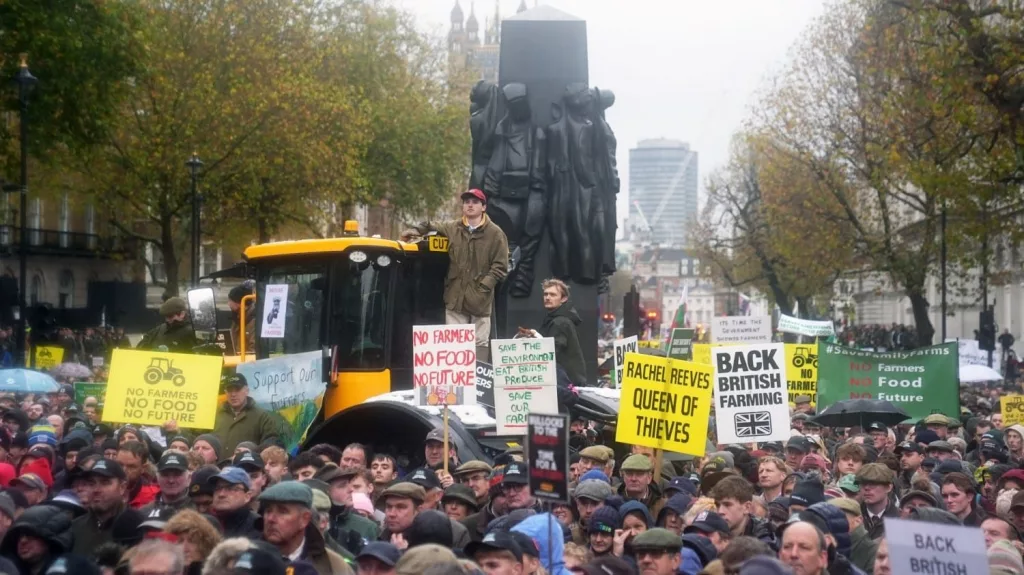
(478,262)
(239,419)
(175,333)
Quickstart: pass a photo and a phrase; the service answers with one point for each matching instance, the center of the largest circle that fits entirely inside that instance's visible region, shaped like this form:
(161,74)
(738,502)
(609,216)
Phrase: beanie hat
(604,520)
(41,468)
(214,442)
(807,492)
(595,474)
(926,436)
(44,434)
(1004,559)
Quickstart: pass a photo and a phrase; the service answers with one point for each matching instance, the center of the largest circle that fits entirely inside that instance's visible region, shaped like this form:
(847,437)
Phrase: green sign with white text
(922,381)
(680,345)
(88,389)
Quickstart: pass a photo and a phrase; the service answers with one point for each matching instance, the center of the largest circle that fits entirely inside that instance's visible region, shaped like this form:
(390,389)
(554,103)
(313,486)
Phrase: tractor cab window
(360,294)
(302,308)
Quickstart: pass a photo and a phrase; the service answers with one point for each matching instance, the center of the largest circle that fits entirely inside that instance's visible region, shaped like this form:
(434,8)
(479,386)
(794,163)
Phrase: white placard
(622,347)
(751,402)
(925,547)
(808,327)
(525,380)
(971,354)
(275,310)
(280,382)
(741,329)
(444,364)
(97,361)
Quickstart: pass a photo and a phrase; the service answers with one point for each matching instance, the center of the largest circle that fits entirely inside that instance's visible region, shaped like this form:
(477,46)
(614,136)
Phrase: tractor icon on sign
(803,357)
(162,369)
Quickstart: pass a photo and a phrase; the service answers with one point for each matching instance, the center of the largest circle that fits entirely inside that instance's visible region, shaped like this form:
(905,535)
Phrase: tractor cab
(352,298)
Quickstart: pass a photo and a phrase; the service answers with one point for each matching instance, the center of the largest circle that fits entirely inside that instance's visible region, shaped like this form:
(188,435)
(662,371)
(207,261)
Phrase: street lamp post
(25,82)
(195,164)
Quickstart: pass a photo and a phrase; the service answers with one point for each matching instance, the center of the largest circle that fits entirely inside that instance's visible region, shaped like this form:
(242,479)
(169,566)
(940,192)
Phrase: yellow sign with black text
(664,404)
(650,343)
(802,371)
(437,243)
(48,357)
(1012,407)
(152,388)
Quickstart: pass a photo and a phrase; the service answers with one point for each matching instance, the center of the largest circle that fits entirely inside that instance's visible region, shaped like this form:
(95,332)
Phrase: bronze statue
(515,183)
(608,176)
(483,120)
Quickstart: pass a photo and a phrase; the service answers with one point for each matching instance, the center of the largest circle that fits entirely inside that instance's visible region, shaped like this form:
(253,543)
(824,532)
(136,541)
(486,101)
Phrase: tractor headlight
(383,260)
(357,257)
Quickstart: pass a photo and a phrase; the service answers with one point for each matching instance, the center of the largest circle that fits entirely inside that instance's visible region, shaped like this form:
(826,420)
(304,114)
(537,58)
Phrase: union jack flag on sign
(753,424)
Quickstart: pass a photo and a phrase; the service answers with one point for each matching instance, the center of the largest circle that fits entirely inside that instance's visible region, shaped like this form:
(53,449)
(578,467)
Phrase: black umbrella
(851,412)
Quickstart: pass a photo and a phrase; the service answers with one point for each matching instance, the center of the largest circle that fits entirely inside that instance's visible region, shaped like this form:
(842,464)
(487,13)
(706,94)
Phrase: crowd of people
(879,337)
(80,346)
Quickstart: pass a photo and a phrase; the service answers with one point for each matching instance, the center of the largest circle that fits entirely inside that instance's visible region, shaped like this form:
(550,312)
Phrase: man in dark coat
(560,324)
(175,333)
(48,528)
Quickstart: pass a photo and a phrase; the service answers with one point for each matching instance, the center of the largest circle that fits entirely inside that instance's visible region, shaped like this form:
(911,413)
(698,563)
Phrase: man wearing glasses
(657,552)
(231,495)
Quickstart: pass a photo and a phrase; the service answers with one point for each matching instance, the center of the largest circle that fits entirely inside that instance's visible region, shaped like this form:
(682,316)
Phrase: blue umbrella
(27,381)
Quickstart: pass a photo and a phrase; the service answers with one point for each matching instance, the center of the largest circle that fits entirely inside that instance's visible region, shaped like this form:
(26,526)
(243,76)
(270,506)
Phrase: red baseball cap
(474,193)
(812,461)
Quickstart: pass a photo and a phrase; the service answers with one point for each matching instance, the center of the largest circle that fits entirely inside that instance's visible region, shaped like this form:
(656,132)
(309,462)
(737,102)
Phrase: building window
(90,226)
(35,221)
(209,260)
(64,220)
(66,290)
(36,290)
(156,259)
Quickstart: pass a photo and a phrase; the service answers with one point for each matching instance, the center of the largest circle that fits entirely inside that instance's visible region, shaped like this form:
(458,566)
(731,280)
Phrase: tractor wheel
(153,375)
(178,380)
(798,361)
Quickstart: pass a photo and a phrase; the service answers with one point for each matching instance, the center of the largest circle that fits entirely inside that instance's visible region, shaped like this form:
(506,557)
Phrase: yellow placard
(1012,407)
(664,404)
(152,388)
(652,343)
(437,243)
(49,357)
(802,371)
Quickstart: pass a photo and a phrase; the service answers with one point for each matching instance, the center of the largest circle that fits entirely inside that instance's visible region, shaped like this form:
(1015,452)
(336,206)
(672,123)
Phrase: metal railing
(67,243)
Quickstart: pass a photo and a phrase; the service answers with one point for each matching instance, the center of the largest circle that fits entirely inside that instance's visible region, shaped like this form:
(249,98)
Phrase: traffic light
(608,318)
(986,333)
(652,316)
(631,313)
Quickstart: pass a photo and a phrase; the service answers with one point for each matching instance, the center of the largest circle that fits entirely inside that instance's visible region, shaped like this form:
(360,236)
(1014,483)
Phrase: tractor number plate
(438,243)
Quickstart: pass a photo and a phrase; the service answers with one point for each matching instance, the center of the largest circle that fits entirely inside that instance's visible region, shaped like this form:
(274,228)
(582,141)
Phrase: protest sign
(525,377)
(152,388)
(802,371)
(275,310)
(1012,407)
(741,329)
(97,361)
(808,327)
(48,357)
(84,389)
(649,343)
(970,353)
(930,547)
(484,384)
(702,353)
(289,386)
(921,381)
(664,404)
(622,347)
(680,345)
(547,443)
(444,364)
(751,402)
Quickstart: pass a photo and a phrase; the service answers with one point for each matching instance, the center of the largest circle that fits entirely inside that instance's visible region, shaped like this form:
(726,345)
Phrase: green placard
(921,381)
(680,345)
(84,389)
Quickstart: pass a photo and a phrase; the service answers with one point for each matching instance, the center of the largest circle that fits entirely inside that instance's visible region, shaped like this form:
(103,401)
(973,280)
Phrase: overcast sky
(682,69)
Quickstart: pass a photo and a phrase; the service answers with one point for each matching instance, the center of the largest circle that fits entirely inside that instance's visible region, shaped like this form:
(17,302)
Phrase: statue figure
(582,184)
(483,120)
(515,184)
(608,176)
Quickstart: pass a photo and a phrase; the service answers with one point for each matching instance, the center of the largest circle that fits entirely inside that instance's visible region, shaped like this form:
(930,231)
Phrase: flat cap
(597,453)
(914,493)
(851,506)
(874,473)
(321,501)
(658,539)
(475,466)
(406,490)
(462,494)
(936,419)
(173,306)
(802,399)
(941,446)
(637,462)
(331,472)
(593,489)
(289,492)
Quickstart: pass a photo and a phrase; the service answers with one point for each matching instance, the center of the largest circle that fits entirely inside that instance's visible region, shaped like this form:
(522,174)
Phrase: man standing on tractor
(240,419)
(478,251)
(175,333)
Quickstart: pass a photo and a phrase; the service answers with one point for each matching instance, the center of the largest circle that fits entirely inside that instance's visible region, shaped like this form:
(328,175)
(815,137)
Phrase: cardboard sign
(97,361)
(751,402)
(547,443)
(84,389)
(275,311)
(525,377)
(1012,407)
(921,381)
(802,371)
(665,404)
(622,347)
(152,388)
(741,329)
(650,344)
(48,357)
(290,387)
(680,345)
(926,547)
(808,327)
(484,384)
(444,364)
